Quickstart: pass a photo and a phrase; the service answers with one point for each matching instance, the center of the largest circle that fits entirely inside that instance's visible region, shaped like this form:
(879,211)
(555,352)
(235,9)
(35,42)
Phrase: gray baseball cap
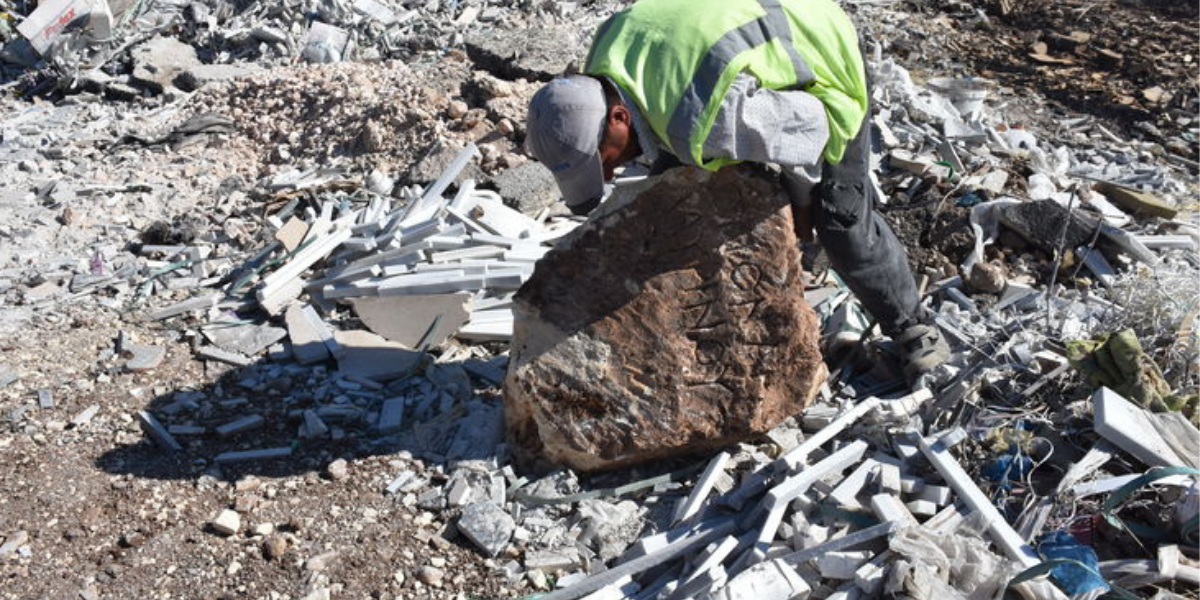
(564,129)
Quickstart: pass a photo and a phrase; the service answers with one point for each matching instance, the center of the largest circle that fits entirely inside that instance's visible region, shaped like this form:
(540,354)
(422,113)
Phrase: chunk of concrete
(673,321)
(307,333)
(372,357)
(159,61)
(770,580)
(488,526)
(244,339)
(405,319)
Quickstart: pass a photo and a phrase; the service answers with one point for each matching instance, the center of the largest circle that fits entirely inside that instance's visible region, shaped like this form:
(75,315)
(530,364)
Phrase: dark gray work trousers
(861,246)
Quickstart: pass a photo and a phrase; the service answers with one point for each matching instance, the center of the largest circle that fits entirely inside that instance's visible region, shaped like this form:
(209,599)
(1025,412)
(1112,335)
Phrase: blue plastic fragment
(1008,467)
(1072,578)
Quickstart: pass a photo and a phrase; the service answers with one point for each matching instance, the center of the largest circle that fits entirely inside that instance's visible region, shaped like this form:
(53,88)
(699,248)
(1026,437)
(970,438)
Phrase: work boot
(921,350)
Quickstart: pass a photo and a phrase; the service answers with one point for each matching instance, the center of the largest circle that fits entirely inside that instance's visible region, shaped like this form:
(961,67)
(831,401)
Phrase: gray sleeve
(783,127)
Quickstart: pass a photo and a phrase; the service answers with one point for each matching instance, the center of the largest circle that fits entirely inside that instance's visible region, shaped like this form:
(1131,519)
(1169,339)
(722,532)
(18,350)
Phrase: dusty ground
(109,516)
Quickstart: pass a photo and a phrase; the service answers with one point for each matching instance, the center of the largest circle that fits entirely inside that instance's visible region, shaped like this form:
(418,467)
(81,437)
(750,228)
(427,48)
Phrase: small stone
(338,469)
(457,110)
(227,523)
(274,547)
(264,529)
(431,576)
(986,277)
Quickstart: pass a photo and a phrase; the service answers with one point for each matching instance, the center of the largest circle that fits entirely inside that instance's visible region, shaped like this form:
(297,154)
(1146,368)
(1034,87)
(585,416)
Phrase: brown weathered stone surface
(672,321)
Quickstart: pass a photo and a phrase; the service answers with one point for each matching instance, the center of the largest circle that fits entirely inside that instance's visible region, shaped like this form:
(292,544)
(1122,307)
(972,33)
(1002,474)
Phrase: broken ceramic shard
(673,321)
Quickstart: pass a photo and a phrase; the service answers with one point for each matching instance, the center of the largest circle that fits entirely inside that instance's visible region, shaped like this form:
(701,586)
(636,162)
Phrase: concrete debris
(487,525)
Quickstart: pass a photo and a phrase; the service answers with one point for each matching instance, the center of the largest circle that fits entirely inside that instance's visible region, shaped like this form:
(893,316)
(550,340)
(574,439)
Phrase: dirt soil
(1135,64)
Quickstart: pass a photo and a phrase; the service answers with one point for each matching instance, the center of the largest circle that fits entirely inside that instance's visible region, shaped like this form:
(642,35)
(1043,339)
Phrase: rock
(986,277)
(245,339)
(143,358)
(159,61)
(528,188)
(488,526)
(198,76)
(672,322)
(338,469)
(274,547)
(227,523)
(431,576)
(541,53)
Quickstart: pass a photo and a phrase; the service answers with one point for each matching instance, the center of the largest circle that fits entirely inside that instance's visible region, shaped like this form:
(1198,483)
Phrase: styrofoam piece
(846,492)
(911,484)
(889,508)
(497,240)
(1098,265)
(937,494)
(696,537)
(618,590)
(796,456)
(766,534)
(810,537)
(43,26)
(797,484)
(301,262)
(888,478)
(1159,242)
(462,198)
(1001,532)
(771,580)
(432,201)
(923,508)
(505,279)
(466,220)
(476,252)
(704,485)
(413,283)
(843,564)
(870,577)
(486,332)
(497,315)
(1128,427)
(712,559)
(501,220)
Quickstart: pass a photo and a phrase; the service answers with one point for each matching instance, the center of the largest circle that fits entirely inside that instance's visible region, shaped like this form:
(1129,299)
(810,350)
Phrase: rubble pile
(294,259)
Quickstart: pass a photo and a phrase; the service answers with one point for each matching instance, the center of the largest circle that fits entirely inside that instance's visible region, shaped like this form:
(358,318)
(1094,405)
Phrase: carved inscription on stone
(672,322)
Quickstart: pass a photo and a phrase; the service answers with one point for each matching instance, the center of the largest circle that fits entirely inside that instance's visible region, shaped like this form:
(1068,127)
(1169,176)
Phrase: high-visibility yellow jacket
(677,59)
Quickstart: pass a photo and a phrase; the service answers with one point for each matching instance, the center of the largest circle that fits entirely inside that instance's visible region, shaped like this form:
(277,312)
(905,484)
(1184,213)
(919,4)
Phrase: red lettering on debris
(59,24)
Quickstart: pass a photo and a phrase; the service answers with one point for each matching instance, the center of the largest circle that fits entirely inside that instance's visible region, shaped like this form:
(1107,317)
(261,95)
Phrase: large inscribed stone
(673,321)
